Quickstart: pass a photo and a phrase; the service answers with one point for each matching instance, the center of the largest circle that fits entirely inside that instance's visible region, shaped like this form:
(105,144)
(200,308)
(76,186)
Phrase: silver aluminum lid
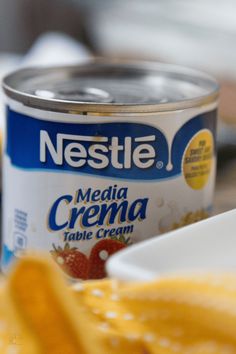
(111,86)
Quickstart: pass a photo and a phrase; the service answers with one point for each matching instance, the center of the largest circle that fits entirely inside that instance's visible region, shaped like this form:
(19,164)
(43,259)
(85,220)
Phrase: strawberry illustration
(101,252)
(71,260)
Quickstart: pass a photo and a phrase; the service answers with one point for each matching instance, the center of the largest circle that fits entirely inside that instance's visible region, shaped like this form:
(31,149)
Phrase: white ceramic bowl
(206,245)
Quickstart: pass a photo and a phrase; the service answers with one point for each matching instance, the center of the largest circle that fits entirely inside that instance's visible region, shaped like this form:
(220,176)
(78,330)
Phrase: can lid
(111,86)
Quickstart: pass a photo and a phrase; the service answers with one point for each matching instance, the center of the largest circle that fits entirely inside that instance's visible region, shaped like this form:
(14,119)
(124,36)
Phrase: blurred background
(200,34)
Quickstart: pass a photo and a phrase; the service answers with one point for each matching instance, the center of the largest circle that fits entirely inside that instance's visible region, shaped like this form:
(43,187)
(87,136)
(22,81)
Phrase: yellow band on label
(197,160)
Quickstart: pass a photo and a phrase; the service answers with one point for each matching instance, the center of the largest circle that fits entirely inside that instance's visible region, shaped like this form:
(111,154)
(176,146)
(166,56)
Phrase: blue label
(120,150)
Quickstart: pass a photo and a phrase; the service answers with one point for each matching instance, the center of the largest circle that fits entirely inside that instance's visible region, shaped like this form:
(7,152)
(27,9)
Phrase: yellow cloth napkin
(179,314)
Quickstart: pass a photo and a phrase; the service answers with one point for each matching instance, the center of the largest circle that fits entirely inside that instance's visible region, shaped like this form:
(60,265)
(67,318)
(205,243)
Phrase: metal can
(102,155)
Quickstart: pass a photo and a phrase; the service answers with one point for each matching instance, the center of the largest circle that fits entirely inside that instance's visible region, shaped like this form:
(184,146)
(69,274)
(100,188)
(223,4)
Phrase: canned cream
(102,155)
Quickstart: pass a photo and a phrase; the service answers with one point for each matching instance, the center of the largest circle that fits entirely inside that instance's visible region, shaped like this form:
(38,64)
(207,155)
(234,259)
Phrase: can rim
(61,105)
